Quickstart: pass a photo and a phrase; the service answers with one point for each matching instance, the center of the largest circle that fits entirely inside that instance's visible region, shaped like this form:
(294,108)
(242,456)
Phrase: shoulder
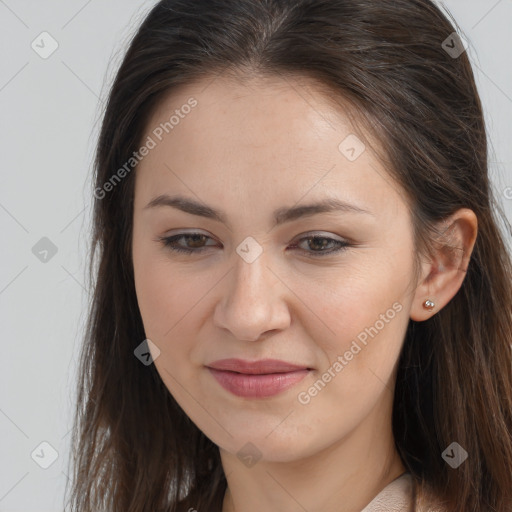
(397,496)
(405,494)
(426,500)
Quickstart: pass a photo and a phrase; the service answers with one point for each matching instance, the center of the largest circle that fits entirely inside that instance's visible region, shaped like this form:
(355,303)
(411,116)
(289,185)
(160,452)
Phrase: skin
(248,149)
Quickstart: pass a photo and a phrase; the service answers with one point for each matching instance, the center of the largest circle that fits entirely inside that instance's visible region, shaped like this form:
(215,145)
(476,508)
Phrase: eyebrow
(281,215)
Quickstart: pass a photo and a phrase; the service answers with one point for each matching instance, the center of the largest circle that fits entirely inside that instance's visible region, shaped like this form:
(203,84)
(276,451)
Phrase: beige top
(399,496)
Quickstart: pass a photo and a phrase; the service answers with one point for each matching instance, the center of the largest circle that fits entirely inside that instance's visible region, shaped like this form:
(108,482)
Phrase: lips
(256,379)
(263,366)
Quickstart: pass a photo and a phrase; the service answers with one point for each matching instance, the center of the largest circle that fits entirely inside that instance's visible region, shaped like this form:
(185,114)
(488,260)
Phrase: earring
(428,304)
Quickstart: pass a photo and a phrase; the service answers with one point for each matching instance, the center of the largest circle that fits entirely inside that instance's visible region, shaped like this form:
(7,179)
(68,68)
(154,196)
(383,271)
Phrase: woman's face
(272,277)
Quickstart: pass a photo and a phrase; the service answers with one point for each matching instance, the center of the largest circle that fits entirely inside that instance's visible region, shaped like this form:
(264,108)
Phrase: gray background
(50,118)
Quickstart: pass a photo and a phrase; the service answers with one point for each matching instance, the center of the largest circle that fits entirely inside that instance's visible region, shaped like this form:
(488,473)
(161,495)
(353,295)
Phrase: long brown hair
(134,449)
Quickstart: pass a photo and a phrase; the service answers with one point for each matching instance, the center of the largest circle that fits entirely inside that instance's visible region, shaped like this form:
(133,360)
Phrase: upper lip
(261,366)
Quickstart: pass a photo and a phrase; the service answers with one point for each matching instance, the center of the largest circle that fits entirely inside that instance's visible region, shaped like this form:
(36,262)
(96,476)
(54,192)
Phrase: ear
(442,276)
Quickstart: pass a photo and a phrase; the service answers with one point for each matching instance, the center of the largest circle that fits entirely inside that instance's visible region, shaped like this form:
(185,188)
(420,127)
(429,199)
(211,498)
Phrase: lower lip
(257,386)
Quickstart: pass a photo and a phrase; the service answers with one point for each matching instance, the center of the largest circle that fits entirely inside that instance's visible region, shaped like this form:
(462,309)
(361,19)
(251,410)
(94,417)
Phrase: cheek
(161,293)
(169,301)
(166,307)
(367,296)
(359,359)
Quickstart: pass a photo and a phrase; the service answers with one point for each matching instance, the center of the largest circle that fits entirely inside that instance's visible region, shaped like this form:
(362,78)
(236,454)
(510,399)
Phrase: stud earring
(428,304)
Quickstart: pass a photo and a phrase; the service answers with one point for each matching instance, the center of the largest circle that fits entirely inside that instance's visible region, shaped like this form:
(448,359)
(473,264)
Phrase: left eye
(316,243)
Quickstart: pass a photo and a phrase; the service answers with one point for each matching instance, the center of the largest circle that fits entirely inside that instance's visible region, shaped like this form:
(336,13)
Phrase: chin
(266,444)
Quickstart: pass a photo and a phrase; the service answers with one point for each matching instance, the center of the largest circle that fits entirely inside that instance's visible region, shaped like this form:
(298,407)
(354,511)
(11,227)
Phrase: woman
(303,297)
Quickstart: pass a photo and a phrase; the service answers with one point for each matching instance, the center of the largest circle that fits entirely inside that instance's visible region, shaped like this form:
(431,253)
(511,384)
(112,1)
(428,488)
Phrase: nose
(253,303)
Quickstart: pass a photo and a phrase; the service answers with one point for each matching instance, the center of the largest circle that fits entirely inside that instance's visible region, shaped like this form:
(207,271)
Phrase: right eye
(196,239)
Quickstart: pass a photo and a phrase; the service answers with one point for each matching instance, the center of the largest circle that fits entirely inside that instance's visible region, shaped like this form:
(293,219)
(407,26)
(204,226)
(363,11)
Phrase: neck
(344,476)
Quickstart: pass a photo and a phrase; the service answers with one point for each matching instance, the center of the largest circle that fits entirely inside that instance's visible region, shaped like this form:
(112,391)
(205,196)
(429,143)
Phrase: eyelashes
(172,244)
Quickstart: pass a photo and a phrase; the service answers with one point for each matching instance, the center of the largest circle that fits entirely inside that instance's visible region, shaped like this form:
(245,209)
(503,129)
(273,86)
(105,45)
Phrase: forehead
(221,134)
(253,111)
